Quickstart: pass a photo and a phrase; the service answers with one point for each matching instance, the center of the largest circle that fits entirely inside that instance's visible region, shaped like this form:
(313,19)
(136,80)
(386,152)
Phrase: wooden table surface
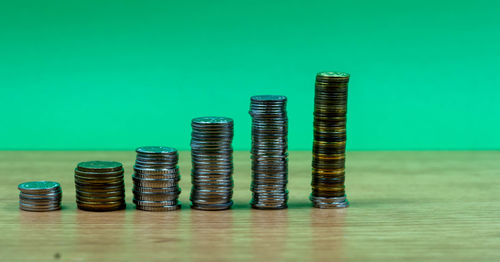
(430,206)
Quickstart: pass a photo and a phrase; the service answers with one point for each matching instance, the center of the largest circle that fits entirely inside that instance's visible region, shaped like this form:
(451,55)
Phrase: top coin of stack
(156,179)
(269,152)
(99,186)
(40,196)
(330,108)
(212,159)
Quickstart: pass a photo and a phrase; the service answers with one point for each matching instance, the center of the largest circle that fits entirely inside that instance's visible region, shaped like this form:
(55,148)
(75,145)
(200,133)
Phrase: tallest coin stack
(328,165)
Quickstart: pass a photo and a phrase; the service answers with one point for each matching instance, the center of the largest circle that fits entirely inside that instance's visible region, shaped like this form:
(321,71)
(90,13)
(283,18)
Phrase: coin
(145,203)
(269,151)
(99,180)
(154,183)
(212,161)
(175,177)
(100,194)
(40,196)
(156,171)
(159,208)
(212,207)
(39,208)
(100,166)
(156,150)
(330,109)
(100,206)
(212,120)
(99,198)
(99,186)
(99,174)
(55,195)
(156,179)
(39,187)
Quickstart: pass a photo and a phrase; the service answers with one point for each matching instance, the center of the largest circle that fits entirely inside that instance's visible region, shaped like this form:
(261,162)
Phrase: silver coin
(155,203)
(163,150)
(158,208)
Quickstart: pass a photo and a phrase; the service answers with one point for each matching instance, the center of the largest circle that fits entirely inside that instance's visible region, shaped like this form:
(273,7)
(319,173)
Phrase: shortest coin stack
(156,179)
(40,196)
(99,186)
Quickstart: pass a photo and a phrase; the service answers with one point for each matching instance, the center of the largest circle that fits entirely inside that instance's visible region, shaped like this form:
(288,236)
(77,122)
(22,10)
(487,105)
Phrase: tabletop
(415,206)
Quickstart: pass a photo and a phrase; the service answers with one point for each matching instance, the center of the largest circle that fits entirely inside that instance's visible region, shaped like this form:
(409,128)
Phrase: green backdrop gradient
(112,75)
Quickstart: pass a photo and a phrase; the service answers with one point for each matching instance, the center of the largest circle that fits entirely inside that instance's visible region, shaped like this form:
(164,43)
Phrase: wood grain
(430,206)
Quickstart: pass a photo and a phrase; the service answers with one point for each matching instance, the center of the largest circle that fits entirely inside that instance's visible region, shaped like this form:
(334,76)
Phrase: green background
(106,75)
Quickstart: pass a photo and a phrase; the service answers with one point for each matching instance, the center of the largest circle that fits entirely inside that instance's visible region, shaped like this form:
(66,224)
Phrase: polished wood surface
(416,206)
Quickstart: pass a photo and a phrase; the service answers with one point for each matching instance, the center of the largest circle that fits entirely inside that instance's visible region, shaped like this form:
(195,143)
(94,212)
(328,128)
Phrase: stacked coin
(212,158)
(99,186)
(156,179)
(328,172)
(269,151)
(40,196)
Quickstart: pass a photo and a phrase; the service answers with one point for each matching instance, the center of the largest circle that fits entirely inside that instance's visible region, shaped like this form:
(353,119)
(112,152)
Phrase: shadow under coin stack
(269,152)
(40,196)
(212,159)
(328,172)
(156,179)
(99,186)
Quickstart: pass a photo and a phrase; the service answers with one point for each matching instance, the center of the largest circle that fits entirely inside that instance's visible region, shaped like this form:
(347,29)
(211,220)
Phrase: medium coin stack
(212,159)
(269,152)
(99,186)
(40,196)
(156,179)
(328,165)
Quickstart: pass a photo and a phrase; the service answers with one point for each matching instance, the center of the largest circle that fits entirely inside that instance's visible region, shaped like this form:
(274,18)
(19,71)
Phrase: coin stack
(99,186)
(212,159)
(269,152)
(328,165)
(156,179)
(40,196)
